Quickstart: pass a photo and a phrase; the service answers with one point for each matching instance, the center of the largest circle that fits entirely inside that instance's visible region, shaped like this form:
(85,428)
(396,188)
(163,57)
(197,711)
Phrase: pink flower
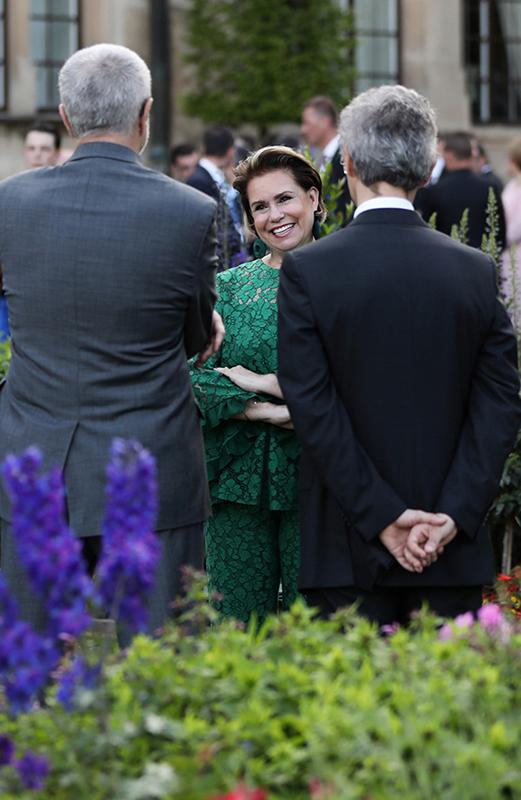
(465,620)
(243,793)
(390,630)
(491,617)
(445,633)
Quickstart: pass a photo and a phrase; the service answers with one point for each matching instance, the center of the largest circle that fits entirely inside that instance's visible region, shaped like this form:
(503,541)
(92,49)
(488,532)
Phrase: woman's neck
(273,259)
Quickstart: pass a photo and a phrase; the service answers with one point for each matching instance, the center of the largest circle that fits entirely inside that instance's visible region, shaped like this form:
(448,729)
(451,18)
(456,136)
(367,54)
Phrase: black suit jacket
(228,237)
(398,365)
(202,180)
(459,190)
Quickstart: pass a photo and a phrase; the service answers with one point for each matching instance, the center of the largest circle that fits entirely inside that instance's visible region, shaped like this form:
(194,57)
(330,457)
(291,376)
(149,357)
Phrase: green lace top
(253,463)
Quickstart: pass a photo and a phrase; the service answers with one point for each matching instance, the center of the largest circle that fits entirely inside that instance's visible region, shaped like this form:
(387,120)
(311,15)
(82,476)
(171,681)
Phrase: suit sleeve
(320,418)
(489,431)
(198,321)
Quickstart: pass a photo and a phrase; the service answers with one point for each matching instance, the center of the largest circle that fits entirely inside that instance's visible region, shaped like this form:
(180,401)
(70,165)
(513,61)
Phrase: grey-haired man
(109,276)
(398,365)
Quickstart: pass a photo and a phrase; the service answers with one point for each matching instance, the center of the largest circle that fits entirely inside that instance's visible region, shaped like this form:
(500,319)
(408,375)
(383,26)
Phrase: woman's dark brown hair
(269,159)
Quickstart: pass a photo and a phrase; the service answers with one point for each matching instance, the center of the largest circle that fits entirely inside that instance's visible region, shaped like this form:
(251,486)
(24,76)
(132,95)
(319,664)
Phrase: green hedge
(299,702)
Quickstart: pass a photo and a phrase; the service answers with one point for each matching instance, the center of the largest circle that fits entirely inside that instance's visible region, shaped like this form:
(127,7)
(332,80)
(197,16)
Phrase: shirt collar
(216,173)
(384,202)
(331,147)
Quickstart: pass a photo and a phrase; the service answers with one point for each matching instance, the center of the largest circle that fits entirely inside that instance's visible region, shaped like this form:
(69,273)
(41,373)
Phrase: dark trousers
(180,547)
(385,605)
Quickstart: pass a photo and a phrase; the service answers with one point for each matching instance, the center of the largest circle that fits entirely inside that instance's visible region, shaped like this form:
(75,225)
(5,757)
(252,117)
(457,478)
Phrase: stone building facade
(465,55)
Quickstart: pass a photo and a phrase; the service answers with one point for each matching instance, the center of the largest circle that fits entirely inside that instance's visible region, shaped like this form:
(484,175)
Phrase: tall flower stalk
(46,546)
(131,549)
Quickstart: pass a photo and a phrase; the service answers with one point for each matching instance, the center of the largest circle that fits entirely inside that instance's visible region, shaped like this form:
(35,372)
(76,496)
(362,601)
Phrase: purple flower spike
(33,770)
(6,750)
(131,549)
(26,658)
(47,548)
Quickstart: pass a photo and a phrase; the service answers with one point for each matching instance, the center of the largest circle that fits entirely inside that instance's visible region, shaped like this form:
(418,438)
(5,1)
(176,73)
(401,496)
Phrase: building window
(54,36)
(2,56)
(493,59)
(377,45)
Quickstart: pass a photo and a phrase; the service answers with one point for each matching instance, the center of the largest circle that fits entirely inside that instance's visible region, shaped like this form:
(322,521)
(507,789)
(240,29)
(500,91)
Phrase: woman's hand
(271,413)
(252,381)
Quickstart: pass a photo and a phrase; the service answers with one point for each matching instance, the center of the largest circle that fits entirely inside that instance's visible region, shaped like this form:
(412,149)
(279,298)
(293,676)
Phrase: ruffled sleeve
(219,399)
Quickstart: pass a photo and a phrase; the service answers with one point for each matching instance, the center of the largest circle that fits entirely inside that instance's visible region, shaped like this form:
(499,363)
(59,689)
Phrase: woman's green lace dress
(252,542)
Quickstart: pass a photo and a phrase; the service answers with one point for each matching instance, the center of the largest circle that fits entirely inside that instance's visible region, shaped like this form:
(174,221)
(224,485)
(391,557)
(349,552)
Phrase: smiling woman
(252,543)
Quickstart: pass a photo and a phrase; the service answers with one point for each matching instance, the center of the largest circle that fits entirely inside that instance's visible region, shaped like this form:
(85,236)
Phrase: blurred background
(252,64)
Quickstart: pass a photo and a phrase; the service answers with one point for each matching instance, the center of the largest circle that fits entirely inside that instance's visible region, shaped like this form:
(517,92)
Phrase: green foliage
(490,244)
(460,232)
(332,193)
(5,357)
(258,63)
(189,716)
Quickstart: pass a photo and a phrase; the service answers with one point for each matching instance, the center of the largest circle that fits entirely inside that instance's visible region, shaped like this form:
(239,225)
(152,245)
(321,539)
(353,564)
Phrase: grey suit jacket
(109,276)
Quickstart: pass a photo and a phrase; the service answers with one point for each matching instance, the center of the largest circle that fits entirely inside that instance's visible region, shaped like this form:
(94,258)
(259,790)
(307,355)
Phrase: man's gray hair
(103,88)
(390,133)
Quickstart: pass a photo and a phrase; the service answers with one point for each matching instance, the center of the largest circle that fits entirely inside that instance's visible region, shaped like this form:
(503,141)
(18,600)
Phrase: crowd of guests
(353,444)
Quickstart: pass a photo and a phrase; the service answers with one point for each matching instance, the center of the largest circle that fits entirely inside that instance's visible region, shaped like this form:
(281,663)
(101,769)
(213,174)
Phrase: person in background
(511,259)
(319,129)
(209,177)
(183,161)
(460,190)
(42,145)
(483,168)
(252,541)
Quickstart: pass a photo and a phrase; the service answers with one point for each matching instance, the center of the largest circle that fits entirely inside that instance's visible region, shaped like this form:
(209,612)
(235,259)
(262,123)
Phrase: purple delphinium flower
(78,675)
(47,548)
(26,658)
(33,770)
(6,750)
(131,549)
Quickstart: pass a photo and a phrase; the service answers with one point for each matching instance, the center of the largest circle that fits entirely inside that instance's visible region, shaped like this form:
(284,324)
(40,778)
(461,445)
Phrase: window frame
(5,61)
(49,18)
(481,82)
(378,78)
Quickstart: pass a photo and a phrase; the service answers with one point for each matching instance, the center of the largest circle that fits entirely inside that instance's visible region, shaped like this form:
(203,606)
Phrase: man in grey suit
(109,276)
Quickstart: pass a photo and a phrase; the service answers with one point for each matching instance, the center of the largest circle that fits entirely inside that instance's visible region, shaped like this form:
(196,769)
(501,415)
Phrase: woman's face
(283,212)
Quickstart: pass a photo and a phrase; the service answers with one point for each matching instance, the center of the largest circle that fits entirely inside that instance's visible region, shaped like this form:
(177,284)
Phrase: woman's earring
(259,248)
(317,227)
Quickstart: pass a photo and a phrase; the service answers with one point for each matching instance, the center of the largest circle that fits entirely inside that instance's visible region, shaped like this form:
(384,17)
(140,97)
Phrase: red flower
(243,793)
(503,577)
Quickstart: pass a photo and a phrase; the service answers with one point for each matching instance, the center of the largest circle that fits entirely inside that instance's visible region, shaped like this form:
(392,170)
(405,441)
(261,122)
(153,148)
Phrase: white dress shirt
(330,149)
(384,202)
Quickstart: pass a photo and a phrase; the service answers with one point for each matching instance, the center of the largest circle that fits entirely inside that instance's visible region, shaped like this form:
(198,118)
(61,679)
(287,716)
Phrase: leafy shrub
(300,706)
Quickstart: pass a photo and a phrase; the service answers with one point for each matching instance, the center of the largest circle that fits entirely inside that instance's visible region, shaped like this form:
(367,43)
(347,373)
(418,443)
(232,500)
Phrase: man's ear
(145,114)
(65,120)
(349,165)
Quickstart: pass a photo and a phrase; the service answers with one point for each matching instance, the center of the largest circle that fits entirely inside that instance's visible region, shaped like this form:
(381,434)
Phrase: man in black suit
(319,129)
(209,177)
(459,190)
(398,365)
